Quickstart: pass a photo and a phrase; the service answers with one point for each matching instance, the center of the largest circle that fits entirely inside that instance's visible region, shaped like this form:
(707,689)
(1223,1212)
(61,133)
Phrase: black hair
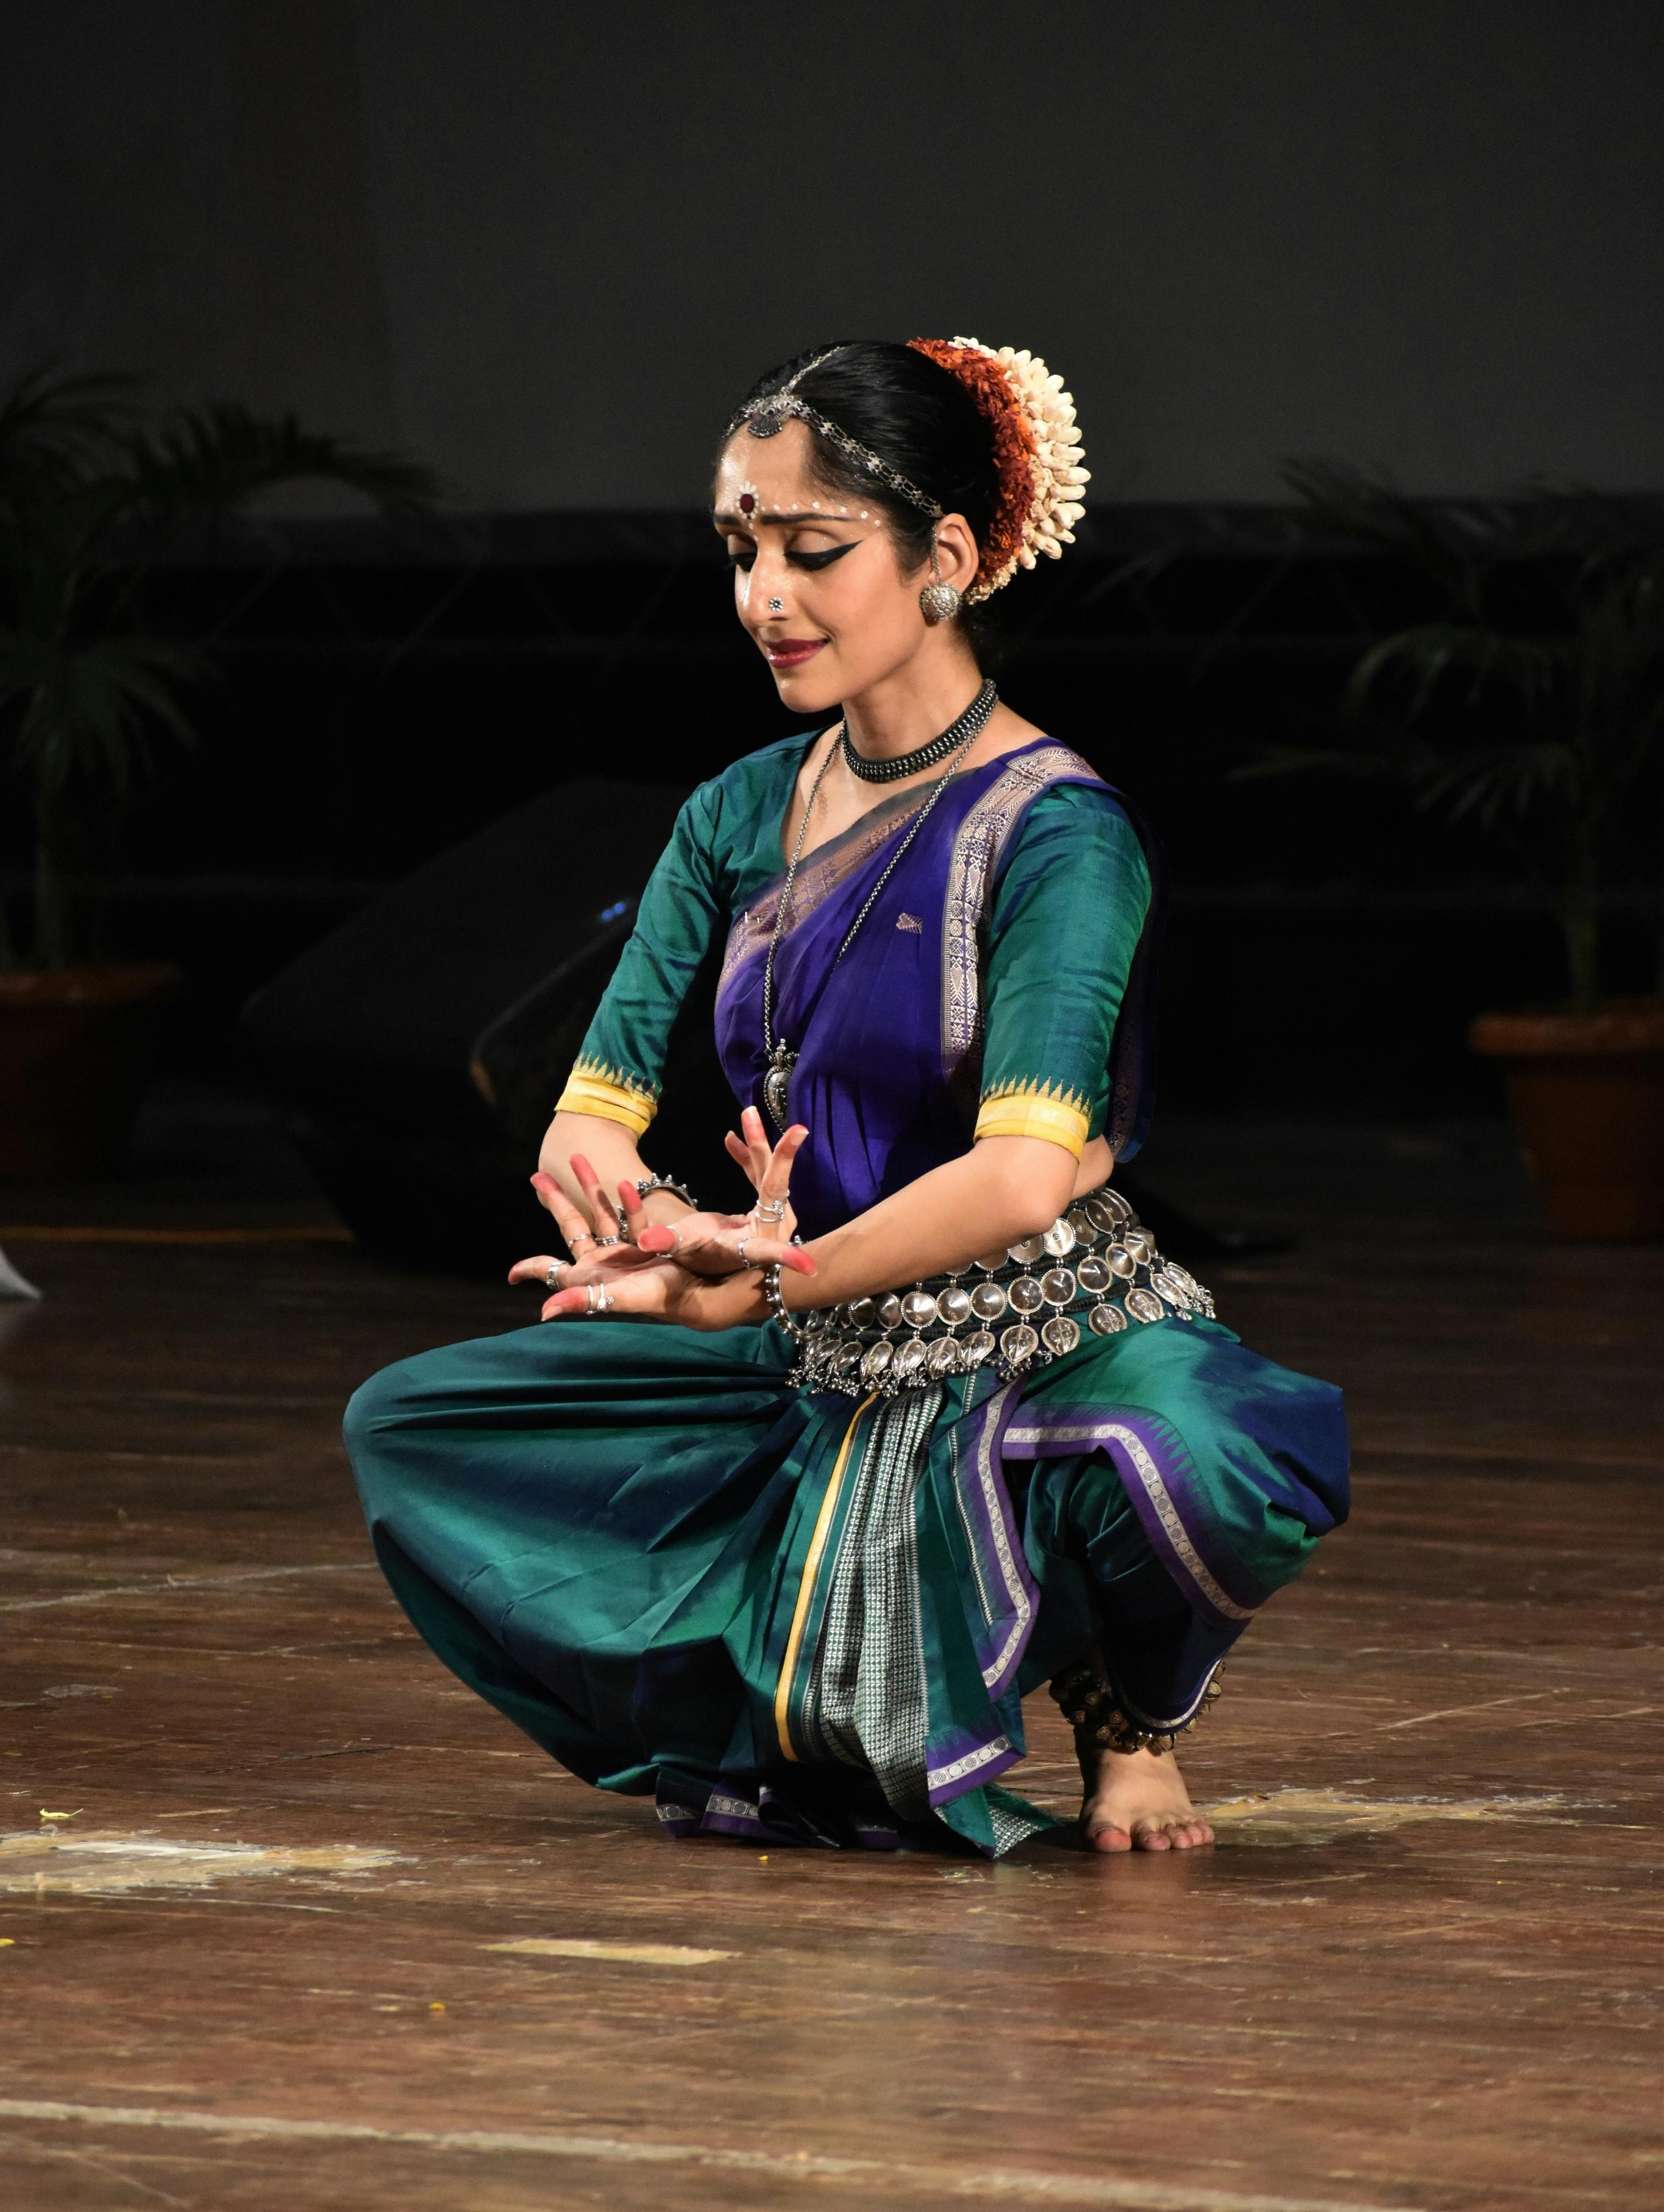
(917,416)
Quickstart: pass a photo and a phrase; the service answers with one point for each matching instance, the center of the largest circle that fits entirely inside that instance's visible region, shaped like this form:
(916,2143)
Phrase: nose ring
(777,606)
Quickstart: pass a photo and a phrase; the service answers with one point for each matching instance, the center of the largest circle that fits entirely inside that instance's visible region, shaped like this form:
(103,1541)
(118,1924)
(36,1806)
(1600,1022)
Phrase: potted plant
(1528,706)
(90,492)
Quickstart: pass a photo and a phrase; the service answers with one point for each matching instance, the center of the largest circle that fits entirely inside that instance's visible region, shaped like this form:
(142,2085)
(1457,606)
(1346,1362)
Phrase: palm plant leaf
(86,493)
(49,420)
(1533,669)
(1486,783)
(1445,543)
(1534,700)
(210,459)
(89,706)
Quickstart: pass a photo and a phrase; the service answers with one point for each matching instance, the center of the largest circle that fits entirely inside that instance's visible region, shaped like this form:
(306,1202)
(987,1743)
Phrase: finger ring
(770,1209)
(552,1279)
(741,1242)
(600,1298)
(602,1242)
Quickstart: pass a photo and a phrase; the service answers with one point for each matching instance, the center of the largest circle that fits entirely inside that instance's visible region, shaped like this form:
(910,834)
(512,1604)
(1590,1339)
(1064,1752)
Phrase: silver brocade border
(977,850)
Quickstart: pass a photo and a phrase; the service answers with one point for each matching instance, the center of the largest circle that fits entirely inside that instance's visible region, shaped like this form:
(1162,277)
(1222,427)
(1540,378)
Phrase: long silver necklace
(781,1058)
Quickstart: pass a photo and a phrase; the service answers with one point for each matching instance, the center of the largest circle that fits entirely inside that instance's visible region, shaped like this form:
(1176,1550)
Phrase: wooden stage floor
(311,1927)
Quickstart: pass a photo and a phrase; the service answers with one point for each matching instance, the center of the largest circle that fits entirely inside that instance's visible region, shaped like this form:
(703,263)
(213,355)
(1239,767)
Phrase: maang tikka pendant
(776,1082)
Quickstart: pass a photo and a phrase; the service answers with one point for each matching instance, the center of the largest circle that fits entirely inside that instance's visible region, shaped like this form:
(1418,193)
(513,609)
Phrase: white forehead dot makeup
(750,508)
(752,511)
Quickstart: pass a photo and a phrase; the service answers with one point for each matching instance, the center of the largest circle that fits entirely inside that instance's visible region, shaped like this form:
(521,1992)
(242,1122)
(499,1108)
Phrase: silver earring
(938,602)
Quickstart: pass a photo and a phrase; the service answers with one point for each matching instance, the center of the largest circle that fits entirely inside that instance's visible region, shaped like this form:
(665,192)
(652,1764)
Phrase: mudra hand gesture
(699,1270)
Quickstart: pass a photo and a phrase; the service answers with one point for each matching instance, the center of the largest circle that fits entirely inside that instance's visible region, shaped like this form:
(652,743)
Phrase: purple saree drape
(888,1036)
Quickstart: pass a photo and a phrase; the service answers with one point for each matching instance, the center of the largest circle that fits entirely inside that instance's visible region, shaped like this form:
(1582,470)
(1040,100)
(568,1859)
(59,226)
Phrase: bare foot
(1137,1801)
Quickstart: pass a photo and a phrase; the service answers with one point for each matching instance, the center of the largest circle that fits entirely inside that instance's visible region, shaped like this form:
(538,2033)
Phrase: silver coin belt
(1096,1270)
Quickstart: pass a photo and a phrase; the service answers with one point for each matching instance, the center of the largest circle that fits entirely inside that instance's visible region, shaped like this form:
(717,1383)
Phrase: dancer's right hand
(700,1270)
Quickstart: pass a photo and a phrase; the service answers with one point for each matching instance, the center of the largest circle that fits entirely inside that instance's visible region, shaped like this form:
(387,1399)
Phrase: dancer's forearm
(1002,1189)
(610,1151)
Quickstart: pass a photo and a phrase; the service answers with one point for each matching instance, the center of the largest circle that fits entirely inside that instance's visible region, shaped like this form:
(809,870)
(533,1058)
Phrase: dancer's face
(818,583)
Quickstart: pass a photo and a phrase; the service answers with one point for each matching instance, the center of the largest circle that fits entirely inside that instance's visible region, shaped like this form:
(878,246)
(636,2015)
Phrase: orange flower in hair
(1037,453)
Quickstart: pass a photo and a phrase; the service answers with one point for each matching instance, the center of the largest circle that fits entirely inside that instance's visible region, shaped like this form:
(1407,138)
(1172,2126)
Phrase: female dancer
(783,1519)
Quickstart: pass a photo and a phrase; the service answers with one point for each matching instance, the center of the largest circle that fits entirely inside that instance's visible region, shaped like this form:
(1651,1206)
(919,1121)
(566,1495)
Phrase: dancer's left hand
(751,1150)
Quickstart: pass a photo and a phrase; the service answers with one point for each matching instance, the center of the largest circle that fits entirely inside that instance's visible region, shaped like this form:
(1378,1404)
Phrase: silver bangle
(775,1301)
(648,1184)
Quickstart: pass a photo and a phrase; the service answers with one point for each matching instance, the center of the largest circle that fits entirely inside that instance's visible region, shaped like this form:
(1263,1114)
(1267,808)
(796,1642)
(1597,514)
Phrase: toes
(1149,1832)
(1187,1834)
(1170,1832)
(1110,1838)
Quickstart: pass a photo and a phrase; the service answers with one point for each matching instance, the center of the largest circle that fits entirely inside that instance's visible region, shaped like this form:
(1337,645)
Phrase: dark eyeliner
(823,560)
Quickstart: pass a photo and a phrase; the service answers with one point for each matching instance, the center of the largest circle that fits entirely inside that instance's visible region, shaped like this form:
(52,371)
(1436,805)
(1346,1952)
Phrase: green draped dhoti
(794,1616)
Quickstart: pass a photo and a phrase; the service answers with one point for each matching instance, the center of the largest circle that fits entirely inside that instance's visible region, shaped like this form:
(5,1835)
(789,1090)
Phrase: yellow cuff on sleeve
(1034,1109)
(592,1088)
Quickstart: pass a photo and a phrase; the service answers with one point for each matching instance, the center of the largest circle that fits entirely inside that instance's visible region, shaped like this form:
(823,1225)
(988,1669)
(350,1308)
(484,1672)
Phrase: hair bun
(1037,453)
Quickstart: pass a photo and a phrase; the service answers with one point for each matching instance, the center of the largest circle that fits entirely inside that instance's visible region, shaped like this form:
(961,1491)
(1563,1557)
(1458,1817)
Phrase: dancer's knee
(382,1403)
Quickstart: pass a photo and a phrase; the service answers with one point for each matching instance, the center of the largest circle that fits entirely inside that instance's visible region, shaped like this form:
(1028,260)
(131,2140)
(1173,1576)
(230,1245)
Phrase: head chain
(765,418)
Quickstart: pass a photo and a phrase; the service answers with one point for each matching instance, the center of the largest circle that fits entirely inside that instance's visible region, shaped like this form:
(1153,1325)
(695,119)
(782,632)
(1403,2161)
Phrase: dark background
(545,246)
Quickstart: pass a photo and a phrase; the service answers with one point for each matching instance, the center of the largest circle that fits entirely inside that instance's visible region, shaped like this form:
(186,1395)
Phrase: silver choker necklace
(969,724)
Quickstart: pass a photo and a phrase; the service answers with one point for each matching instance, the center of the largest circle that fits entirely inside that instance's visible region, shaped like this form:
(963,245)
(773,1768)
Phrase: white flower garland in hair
(1055,460)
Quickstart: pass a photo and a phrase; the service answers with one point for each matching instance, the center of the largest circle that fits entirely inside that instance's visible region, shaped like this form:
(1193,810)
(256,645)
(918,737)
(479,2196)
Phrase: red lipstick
(787,652)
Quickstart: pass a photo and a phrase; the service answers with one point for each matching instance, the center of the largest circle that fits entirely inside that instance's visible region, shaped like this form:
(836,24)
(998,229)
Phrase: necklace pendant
(775,1084)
